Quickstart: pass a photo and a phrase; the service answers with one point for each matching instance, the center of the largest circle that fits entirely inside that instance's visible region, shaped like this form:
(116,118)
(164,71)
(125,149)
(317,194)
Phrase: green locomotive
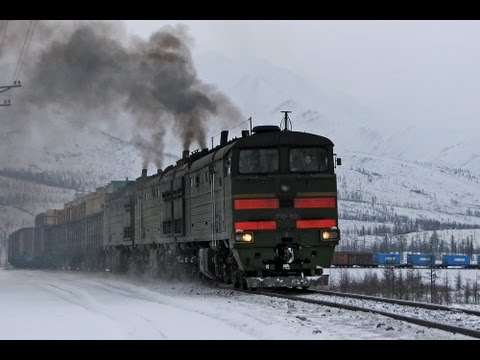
(276,218)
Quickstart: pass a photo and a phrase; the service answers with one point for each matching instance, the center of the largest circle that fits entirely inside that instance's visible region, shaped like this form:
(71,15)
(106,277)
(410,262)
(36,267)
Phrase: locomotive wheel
(237,276)
(239,281)
(245,286)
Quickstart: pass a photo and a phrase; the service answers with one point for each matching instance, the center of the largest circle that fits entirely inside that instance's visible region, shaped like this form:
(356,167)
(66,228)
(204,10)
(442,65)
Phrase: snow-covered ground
(74,305)
(452,273)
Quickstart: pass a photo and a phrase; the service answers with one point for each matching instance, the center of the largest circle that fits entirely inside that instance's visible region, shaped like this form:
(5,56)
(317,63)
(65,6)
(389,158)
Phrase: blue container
(456,260)
(420,259)
(386,259)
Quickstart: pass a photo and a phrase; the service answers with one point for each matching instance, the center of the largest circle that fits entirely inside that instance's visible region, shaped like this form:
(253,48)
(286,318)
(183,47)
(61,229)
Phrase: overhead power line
(21,58)
(23,51)
(28,46)
(6,88)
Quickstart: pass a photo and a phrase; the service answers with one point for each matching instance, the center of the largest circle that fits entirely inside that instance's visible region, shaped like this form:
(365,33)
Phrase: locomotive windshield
(308,160)
(258,161)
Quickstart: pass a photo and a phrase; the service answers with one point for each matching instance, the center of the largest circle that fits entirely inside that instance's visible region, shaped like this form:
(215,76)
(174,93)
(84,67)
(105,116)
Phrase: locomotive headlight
(244,237)
(247,237)
(332,234)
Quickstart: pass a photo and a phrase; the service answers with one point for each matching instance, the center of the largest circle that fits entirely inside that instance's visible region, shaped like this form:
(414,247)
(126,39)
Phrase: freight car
(420,260)
(364,259)
(369,259)
(352,259)
(21,247)
(255,211)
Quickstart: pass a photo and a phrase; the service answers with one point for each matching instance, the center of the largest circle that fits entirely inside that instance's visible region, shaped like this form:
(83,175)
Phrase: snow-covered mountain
(261,90)
(90,152)
(375,191)
(412,185)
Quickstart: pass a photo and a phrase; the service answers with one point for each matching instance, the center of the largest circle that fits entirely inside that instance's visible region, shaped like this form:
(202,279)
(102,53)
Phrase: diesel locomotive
(256,211)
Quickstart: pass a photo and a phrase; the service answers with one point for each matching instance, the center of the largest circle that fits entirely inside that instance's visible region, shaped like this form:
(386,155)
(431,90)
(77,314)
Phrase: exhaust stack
(223,137)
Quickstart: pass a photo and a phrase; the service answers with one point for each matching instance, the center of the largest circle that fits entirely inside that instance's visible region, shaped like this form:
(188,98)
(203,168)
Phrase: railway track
(421,305)
(428,315)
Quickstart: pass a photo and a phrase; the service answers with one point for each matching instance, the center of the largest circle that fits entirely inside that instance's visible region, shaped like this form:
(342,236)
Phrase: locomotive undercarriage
(191,260)
(285,266)
(188,261)
(285,269)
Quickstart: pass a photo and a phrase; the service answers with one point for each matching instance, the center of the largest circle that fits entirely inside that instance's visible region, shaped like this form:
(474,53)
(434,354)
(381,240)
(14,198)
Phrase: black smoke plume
(93,71)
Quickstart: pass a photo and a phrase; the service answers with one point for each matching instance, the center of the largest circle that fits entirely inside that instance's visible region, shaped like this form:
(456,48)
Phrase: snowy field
(74,305)
(453,286)
(450,275)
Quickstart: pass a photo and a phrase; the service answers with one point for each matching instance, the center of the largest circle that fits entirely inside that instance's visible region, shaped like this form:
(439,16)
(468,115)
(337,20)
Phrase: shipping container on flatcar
(456,260)
(383,259)
(420,260)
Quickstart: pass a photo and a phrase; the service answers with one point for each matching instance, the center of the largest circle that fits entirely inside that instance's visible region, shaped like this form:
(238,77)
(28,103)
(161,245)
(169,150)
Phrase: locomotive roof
(283,138)
(211,155)
(264,139)
(257,139)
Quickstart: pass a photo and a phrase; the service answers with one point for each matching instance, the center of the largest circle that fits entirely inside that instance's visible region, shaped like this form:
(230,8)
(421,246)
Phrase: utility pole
(5,88)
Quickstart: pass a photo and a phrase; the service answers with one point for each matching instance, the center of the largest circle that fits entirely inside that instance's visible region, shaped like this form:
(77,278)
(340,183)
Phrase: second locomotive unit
(255,211)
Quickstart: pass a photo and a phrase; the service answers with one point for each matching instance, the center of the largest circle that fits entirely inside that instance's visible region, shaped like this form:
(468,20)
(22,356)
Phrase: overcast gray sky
(413,71)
